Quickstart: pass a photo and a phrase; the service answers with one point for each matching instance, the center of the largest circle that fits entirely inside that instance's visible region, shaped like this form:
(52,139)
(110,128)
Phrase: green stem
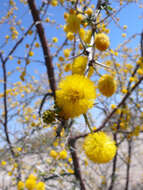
(87,122)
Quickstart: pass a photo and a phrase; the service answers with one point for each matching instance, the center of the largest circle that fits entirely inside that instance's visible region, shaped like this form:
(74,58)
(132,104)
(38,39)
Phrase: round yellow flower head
(30,184)
(75,95)
(63,154)
(79,65)
(73,23)
(70,36)
(40,186)
(87,37)
(99,147)
(53,154)
(20,185)
(107,85)
(101,41)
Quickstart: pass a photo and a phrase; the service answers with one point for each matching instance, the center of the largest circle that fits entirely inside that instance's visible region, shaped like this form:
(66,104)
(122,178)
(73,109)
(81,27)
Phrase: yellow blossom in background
(40,186)
(30,184)
(7,37)
(125,27)
(89,11)
(70,171)
(124,35)
(61,59)
(20,185)
(55,143)
(107,85)
(87,37)
(79,65)
(75,95)
(70,160)
(54,3)
(31,53)
(136,131)
(99,147)
(66,52)
(47,19)
(37,45)
(113,106)
(63,154)
(66,15)
(73,23)
(82,33)
(55,40)
(140,62)
(30,32)
(53,154)
(31,176)
(101,41)
(3,163)
(68,67)
(140,71)
(124,91)
(70,36)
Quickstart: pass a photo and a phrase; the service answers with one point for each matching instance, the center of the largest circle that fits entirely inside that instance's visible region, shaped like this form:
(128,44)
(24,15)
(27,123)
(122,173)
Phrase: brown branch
(128,164)
(6,116)
(113,175)
(44,44)
(5,104)
(77,171)
(141,44)
(56,176)
(43,101)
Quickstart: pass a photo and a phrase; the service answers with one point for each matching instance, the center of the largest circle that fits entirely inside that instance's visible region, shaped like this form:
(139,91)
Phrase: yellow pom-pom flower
(99,147)
(53,154)
(75,95)
(63,154)
(70,36)
(89,11)
(30,184)
(73,23)
(79,65)
(107,85)
(101,41)
(66,52)
(40,186)
(20,185)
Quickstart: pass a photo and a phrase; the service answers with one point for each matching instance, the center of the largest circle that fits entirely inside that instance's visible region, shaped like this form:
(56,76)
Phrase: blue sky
(128,16)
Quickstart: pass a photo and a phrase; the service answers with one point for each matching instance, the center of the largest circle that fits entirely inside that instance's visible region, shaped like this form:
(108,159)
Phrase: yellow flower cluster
(59,155)
(140,62)
(79,65)
(75,95)
(31,184)
(99,147)
(85,35)
(73,23)
(101,41)
(14,33)
(107,85)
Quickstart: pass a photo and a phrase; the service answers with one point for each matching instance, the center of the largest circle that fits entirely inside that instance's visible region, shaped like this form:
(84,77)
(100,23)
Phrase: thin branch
(6,116)
(43,101)
(56,176)
(44,44)
(128,164)
(72,148)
